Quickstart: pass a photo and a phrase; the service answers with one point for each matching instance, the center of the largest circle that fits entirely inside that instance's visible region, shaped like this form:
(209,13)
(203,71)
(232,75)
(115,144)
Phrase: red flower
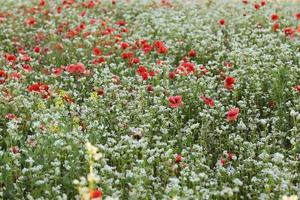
(135,60)
(256,6)
(160,47)
(297,16)
(121,23)
(230,156)
(37,49)
(149,88)
(274,17)
(40,88)
(27,68)
(203,70)
(245,1)
(178,158)
(222,162)
(78,68)
(229,82)
(192,53)
(15,149)
(96,194)
(124,45)
(57,71)
(297,88)
(276,26)
(10,116)
(233,114)
(31,21)
(42,3)
(222,22)
(11,58)
(97,51)
(208,101)
(127,55)
(175,101)
(172,75)
(141,70)
(263,2)
(289,31)
(100,91)
(3,76)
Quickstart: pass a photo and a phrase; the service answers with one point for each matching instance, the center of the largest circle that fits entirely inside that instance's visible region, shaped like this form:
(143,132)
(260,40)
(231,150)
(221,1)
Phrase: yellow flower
(61,93)
(54,128)
(59,102)
(41,105)
(94,96)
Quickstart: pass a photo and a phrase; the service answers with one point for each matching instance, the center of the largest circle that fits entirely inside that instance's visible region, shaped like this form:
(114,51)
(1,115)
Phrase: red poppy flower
(141,70)
(78,68)
(175,101)
(229,83)
(10,116)
(263,2)
(222,22)
(124,45)
(37,49)
(3,76)
(222,162)
(59,9)
(41,88)
(160,47)
(27,68)
(297,16)
(233,114)
(11,58)
(245,1)
(289,31)
(208,101)
(274,17)
(276,26)
(96,194)
(172,75)
(100,91)
(31,21)
(297,88)
(178,158)
(203,70)
(135,60)
(256,6)
(121,23)
(149,88)
(97,51)
(127,55)
(230,156)
(192,53)
(15,149)
(57,71)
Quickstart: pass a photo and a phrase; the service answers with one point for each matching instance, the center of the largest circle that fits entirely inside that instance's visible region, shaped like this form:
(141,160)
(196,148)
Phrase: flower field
(120,99)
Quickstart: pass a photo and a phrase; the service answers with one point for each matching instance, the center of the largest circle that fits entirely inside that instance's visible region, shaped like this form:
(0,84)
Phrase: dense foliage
(183,100)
